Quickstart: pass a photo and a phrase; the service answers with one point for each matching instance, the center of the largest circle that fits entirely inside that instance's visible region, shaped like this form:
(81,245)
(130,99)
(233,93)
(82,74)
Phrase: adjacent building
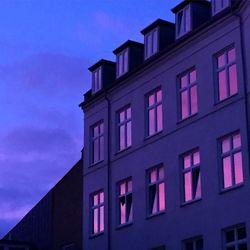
(166,135)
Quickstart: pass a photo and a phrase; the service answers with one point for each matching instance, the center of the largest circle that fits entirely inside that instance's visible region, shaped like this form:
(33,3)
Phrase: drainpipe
(109,174)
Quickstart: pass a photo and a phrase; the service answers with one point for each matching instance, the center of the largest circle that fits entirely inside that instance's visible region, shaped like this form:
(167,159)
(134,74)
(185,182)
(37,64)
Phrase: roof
(100,63)
(128,43)
(184,3)
(156,23)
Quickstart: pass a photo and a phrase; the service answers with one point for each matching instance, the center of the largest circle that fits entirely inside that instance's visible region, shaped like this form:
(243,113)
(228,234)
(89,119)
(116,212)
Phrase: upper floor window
(194,244)
(124,128)
(151,43)
(97,212)
(97,80)
(125,201)
(183,21)
(122,62)
(226,74)
(231,157)
(97,143)
(235,238)
(191,176)
(218,5)
(188,94)
(154,112)
(156,190)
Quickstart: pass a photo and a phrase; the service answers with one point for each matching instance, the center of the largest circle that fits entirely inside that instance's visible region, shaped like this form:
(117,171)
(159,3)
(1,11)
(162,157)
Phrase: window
(151,43)
(183,20)
(124,128)
(188,94)
(156,190)
(97,80)
(125,202)
(194,244)
(191,176)
(122,62)
(226,74)
(97,143)
(218,5)
(235,238)
(154,112)
(97,212)
(231,157)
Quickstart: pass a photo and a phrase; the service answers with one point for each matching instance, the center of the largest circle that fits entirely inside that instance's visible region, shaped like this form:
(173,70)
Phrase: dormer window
(97,80)
(219,5)
(183,21)
(151,43)
(122,62)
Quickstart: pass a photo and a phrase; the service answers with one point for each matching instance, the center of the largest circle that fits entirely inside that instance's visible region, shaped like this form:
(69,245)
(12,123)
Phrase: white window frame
(97,80)
(151,40)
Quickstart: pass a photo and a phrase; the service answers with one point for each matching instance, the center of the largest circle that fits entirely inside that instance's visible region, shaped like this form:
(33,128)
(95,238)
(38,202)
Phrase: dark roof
(15,242)
(184,3)
(158,22)
(100,63)
(128,43)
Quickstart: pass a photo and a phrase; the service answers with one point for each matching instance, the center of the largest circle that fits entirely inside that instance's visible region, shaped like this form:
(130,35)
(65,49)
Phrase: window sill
(95,164)
(156,214)
(123,150)
(218,102)
(148,137)
(121,226)
(190,202)
(232,188)
(93,236)
(187,118)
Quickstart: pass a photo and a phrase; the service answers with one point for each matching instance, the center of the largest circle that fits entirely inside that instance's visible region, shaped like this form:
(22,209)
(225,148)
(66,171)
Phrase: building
(55,223)
(166,160)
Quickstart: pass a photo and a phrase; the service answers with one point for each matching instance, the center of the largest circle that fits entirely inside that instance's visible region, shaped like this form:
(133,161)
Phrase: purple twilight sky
(46,47)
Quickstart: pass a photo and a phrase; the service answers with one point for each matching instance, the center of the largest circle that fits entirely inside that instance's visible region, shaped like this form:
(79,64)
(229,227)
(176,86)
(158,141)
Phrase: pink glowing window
(97,80)
(154,112)
(124,128)
(97,212)
(125,201)
(227,74)
(231,154)
(191,176)
(188,94)
(97,147)
(122,63)
(235,238)
(156,190)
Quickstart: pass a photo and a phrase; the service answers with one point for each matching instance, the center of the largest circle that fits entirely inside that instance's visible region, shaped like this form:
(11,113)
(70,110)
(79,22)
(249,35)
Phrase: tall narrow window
(183,20)
(151,43)
(219,5)
(97,212)
(227,74)
(125,202)
(97,80)
(235,238)
(231,157)
(154,112)
(191,176)
(156,190)
(194,244)
(188,94)
(122,62)
(97,147)
(124,128)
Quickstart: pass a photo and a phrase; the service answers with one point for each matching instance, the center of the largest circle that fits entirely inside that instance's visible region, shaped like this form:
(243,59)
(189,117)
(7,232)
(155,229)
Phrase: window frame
(122,69)
(97,81)
(152,45)
(187,10)
(192,240)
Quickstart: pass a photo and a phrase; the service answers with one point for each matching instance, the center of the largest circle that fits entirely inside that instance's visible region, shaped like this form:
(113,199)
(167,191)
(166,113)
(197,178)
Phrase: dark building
(166,160)
(55,223)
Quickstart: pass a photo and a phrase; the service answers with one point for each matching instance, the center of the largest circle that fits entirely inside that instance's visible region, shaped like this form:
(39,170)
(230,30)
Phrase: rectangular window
(231,158)
(124,128)
(97,143)
(219,5)
(235,238)
(151,43)
(226,72)
(97,212)
(156,190)
(97,80)
(154,112)
(125,201)
(188,94)
(194,244)
(191,176)
(183,19)
(122,62)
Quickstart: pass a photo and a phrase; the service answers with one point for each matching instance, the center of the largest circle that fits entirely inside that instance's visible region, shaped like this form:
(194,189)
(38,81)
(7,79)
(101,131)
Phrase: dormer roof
(128,43)
(183,4)
(156,23)
(101,63)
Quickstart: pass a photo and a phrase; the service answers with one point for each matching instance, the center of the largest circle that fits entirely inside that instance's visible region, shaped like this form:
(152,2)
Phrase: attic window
(183,21)
(97,80)
(219,5)
(122,62)
(151,43)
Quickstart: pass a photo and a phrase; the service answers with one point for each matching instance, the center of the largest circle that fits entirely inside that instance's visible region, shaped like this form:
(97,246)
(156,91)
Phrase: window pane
(129,113)
(122,210)
(189,246)
(243,246)
(101,148)
(159,96)
(95,221)
(151,100)
(95,199)
(161,173)
(126,61)
(159,118)
(184,81)
(120,65)
(184,104)
(153,199)
(153,176)
(230,236)
(151,121)
(122,137)
(227,172)
(122,116)
(197,183)
(199,244)
(129,208)
(194,102)
(222,85)
(226,145)
(188,186)
(122,188)
(161,196)
(180,23)
(221,61)
(96,131)
(149,44)
(101,218)
(101,128)
(187,161)
(231,55)
(129,134)
(238,168)
(237,140)
(193,76)
(241,232)
(101,197)
(187,19)
(129,186)
(155,41)
(96,151)
(233,82)
(196,158)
